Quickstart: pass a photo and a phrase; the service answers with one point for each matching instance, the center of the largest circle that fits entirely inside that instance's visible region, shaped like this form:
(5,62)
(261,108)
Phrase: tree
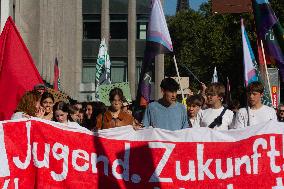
(278,7)
(203,40)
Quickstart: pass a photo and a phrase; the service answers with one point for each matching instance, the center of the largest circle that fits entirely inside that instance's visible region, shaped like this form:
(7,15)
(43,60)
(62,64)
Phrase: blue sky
(170,5)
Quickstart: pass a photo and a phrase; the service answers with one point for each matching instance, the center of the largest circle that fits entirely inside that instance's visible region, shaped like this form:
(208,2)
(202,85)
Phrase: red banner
(38,154)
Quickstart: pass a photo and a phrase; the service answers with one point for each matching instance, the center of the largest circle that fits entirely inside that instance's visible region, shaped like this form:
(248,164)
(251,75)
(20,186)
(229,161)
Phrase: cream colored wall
(53,28)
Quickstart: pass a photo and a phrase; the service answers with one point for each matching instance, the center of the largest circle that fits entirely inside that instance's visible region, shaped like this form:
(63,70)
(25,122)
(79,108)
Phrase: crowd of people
(206,109)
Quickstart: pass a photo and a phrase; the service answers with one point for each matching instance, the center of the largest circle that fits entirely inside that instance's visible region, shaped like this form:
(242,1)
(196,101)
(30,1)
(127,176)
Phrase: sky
(170,5)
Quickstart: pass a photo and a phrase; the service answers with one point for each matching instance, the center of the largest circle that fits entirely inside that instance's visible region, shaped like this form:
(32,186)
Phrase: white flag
(103,66)
(215,76)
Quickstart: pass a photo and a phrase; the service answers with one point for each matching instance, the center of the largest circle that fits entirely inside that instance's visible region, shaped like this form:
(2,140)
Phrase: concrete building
(71,31)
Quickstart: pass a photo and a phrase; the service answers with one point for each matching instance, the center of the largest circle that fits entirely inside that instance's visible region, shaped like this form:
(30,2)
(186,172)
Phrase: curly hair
(28,102)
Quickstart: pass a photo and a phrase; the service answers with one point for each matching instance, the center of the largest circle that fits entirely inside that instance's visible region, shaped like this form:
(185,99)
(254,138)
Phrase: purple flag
(158,42)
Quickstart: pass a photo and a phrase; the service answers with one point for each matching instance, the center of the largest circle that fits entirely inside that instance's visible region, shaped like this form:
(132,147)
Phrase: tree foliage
(203,40)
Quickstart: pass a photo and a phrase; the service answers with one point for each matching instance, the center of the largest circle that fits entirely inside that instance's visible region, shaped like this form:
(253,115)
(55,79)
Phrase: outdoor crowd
(205,109)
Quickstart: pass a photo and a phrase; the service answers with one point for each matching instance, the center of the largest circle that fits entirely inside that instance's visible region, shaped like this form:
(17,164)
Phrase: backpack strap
(218,120)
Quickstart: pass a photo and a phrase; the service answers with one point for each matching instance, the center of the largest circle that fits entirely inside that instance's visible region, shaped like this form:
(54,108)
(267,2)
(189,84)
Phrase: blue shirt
(171,118)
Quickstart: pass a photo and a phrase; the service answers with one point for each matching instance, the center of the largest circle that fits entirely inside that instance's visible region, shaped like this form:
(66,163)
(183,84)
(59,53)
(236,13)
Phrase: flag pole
(175,61)
(266,71)
(191,73)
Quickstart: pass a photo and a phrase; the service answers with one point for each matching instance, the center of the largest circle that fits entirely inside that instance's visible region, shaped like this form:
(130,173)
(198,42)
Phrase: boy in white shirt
(256,112)
(194,104)
(216,116)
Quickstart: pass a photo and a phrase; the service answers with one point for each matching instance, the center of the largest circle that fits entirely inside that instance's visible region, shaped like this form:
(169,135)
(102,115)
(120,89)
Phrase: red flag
(260,54)
(18,73)
(56,75)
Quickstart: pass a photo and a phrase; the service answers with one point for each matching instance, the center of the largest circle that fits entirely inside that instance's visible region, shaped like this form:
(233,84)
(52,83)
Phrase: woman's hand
(136,125)
(26,116)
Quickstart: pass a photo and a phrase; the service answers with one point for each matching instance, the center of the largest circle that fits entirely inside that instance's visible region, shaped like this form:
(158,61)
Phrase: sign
(274,92)
(103,92)
(42,154)
(231,6)
(275,86)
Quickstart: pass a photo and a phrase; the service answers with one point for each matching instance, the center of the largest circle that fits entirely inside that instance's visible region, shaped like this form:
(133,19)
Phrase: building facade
(71,30)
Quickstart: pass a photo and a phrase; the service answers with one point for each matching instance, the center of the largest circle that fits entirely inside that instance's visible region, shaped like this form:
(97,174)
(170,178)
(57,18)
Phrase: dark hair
(115,91)
(46,95)
(195,100)
(255,86)
(234,104)
(28,102)
(216,89)
(169,84)
(98,108)
(63,106)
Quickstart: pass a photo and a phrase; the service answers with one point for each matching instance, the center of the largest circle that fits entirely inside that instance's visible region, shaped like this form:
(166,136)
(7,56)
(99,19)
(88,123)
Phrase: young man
(194,104)
(216,116)
(256,112)
(166,113)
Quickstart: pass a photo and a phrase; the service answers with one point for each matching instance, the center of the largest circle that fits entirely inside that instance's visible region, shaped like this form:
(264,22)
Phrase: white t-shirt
(210,114)
(261,115)
(195,122)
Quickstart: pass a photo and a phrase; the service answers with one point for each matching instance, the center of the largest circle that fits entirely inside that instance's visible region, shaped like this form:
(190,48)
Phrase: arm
(274,115)
(240,121)
(185,121)
(146,118)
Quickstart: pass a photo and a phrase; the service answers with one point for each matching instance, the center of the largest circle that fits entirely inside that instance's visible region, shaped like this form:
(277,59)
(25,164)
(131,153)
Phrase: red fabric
(18,73)
(56,75)
(44,156)
(260,55)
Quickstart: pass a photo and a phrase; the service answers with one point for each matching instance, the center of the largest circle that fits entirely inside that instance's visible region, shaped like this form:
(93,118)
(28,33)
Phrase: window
(91,26)
(118,6)
(118,26)
(118,30)
(92,30)
(141,30)
(89,70)
(89,74)
(118,70)
(143,7)
(142,25)
(91,6)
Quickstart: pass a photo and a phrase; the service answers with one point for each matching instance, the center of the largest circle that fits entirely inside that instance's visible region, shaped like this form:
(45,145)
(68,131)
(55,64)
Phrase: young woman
(194,104)
(74,113)
(114,117)
(28,106)
(61,114)
(47,102)
(89,121)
